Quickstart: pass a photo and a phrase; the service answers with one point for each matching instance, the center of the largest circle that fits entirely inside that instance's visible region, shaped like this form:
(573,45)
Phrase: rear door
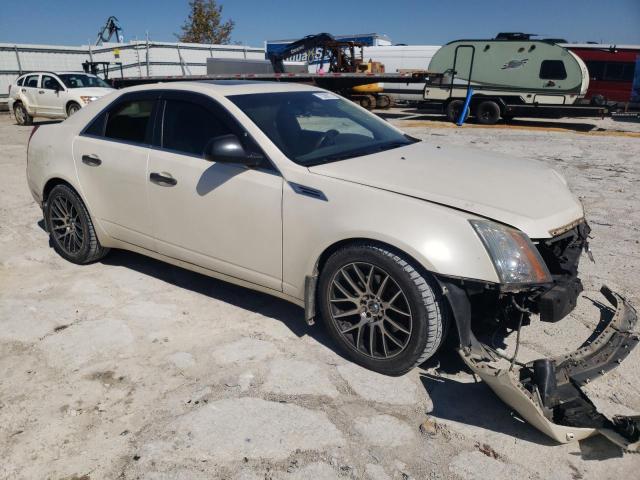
(51,96)
(111,157)
(29,91)
(224,217)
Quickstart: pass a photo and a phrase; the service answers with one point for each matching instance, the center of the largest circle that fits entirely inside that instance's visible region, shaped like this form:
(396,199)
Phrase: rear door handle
(40,91)
(163,179)
(91,160)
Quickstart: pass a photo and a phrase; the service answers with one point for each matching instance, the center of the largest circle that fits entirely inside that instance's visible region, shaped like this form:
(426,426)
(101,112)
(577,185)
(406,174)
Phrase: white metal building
(138,58)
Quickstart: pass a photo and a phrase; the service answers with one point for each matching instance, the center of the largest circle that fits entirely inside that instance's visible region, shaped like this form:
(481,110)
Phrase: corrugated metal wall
(138,58)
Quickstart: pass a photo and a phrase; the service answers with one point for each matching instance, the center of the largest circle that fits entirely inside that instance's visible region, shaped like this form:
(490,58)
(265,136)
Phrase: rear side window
(31,81)
(553,70)
(188,127)
(20,81)
(96,127)
(129,121)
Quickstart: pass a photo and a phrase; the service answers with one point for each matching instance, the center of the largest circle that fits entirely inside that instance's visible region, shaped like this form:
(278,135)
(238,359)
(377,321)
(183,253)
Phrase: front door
(51,96)
(224,217)
(111,157)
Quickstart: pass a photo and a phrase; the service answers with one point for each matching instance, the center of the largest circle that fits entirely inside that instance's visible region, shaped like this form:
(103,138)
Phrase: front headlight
(88,99)
(515,258)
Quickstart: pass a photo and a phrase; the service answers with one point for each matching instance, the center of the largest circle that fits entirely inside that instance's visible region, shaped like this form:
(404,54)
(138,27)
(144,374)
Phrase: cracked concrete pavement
(130,368)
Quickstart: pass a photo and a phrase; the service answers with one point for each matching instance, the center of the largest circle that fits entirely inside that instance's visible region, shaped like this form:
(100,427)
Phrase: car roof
(227,87)
(40,72)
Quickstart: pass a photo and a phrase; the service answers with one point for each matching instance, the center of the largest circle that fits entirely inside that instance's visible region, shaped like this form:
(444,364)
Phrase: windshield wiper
(357,153)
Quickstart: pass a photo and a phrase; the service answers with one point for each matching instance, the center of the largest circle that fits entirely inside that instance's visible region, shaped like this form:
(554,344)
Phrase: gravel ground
(130,368)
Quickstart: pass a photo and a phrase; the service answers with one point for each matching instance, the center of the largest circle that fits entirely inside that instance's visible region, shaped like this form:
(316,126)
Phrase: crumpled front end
(547,392)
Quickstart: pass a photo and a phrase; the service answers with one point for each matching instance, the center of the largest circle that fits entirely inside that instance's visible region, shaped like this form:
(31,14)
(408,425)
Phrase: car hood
(92,91)
(522,193)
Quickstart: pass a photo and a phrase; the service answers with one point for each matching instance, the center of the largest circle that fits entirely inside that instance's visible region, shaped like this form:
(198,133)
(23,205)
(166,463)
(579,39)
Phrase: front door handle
(91,160)
(40,92)
(163,179)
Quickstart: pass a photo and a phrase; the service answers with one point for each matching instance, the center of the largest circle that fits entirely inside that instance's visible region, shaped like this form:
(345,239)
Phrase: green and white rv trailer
(509,78)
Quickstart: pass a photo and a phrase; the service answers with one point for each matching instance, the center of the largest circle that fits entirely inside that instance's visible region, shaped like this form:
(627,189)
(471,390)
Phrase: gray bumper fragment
(556,404)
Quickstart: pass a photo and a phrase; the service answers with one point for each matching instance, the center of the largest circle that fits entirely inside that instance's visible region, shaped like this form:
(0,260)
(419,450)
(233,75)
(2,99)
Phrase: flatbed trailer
(341,83)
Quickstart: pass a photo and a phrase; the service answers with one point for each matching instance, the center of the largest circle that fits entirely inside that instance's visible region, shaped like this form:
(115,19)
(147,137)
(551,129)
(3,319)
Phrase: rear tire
(367,101)
(21,114)
(388,326)
(383,102)
(72,108)
(488,112)
(453,110)
(71,230)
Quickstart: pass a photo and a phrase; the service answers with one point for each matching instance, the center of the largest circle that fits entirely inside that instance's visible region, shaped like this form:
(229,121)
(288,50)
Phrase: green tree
(204,24)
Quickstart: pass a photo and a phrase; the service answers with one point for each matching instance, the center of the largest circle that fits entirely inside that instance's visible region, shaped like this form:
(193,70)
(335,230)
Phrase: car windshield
(316,127)
(81,80)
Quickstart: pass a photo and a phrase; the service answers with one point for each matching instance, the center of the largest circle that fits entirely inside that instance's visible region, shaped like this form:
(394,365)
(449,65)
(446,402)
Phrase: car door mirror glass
(229,149)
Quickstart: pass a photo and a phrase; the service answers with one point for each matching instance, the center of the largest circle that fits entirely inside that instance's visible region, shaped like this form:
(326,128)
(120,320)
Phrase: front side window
(82,80)
(50,83)
(553,70)
(130,121)
(31,81)
(189,128)
(316,127)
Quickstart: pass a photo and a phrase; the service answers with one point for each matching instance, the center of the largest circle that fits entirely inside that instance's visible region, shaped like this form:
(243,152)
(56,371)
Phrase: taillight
(9,89)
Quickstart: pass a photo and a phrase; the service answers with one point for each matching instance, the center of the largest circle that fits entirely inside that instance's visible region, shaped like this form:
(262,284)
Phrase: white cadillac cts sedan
(297,192)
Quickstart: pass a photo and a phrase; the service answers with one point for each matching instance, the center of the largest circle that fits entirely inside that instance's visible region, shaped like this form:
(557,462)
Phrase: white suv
(53,95)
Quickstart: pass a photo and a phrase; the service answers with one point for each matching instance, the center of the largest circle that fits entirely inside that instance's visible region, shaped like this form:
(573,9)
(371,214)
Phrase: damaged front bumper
(547,393)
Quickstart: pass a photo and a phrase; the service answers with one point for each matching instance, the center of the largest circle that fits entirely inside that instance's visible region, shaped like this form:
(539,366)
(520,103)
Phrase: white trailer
(400,59)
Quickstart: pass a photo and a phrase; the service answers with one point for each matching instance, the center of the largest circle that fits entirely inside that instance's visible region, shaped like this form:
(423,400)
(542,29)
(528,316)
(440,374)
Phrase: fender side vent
(308,191)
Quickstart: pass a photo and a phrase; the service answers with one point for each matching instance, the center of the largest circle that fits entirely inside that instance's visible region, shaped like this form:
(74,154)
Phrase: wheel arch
(69,103)
(311,281)
(53,182)
(477,99)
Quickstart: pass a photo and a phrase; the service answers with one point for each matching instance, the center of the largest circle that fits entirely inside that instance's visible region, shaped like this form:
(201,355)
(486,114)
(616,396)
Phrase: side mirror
(228,149)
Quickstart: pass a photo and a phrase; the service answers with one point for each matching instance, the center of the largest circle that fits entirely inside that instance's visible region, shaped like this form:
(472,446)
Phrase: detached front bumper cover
(547,393)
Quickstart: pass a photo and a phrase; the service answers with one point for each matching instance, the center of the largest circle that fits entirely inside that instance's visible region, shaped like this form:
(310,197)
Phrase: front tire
(72,108)
(21,114)
(379,309)
(454,109)
(71,230)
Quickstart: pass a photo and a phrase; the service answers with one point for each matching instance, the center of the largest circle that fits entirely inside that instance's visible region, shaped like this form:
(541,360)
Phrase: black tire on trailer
(365,102)
(72,108)
(488,112)
(71,230)
(21,114)
(383,102)
(379,308)
(453,109)
(598,100)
